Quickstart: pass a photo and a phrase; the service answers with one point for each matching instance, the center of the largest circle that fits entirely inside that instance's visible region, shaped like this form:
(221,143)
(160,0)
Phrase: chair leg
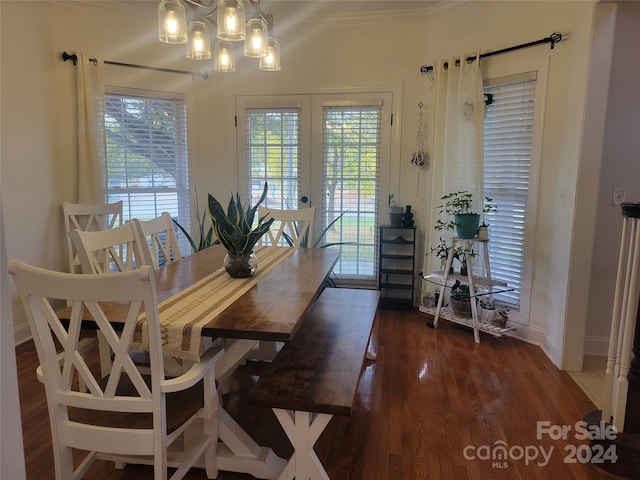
(63,463)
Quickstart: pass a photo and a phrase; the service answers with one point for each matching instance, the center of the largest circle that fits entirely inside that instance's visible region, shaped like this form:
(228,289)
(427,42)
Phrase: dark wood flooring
(431,396)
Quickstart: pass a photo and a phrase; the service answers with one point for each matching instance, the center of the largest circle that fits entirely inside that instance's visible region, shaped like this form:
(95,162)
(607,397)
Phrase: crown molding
(432,9)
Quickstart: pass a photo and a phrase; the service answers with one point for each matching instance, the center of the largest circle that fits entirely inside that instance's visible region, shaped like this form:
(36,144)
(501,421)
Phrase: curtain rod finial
(554,38)
(73,57)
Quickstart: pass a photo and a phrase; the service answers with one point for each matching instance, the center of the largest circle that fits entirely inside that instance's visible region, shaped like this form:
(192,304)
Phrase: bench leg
(303,430)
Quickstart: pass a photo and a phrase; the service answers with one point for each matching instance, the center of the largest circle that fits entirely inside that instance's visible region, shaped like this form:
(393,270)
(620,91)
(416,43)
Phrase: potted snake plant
(233,228)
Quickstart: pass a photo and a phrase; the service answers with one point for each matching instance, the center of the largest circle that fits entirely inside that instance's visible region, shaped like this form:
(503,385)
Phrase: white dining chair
(88,217)
(291,227)
(125,416)
(115,249)
(161,239)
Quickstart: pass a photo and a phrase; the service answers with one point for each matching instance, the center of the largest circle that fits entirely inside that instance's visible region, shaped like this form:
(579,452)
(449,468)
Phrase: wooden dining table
(270,310)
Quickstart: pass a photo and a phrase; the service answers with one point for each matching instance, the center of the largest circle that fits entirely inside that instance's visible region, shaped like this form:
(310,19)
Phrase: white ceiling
(344,6)
(297,8)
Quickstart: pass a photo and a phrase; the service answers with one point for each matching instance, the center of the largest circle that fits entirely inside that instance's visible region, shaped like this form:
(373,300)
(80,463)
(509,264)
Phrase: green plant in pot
(503,317)
(460,299)
(487,311)
(395,213)
(460,253)
(234,230)
(458,207)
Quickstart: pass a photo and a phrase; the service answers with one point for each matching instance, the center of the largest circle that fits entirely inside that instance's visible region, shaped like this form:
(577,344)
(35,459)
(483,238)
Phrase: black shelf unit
(396,266)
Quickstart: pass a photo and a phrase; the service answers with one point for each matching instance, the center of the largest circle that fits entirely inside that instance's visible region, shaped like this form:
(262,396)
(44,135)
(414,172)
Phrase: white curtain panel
(459,126)
(457,160)
(91,143)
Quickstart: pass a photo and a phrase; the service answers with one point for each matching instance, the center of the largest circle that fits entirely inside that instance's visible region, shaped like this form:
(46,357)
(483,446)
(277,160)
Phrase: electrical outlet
(618,195)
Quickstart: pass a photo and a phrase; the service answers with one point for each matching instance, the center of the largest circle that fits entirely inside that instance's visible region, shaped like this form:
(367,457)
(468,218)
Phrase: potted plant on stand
(487,310)
(234,230)
(457,207)
(395,213)
(483,231)
(460,299)
(502,318)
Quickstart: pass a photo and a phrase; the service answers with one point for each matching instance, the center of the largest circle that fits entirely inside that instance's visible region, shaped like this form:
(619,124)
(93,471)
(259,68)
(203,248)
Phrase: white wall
(494,25)
(11,451)
(619,158)
(38,145)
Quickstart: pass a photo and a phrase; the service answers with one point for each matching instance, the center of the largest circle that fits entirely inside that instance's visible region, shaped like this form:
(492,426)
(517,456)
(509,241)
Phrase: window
(331,151)
(273,147)
(508,146)
(351,158)
(147,157)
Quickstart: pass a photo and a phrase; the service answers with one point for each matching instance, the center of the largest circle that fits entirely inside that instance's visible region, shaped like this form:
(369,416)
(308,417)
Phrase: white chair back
(124,412)
(291,227)
(88,217)
(112,250)
(161,239)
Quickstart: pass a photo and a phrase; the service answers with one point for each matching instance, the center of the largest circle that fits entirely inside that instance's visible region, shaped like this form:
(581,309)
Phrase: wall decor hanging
(419,158)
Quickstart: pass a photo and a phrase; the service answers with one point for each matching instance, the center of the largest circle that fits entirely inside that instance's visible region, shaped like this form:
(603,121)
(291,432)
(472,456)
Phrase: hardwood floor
(431,396)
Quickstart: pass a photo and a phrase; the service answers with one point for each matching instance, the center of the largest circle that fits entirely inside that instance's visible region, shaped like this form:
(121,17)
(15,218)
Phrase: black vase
(407,218)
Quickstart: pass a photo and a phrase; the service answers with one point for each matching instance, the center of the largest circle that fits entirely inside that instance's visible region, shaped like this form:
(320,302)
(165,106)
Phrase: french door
(329,151)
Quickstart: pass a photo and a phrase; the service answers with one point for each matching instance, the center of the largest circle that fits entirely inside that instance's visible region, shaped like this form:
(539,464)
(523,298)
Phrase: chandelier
(233,25)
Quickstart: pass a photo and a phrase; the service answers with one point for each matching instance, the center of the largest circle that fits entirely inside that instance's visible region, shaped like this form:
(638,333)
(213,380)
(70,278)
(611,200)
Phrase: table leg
(303,430)
(237,451)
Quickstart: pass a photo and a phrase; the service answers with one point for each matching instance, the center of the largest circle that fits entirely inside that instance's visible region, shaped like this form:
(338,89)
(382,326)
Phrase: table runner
(183,315)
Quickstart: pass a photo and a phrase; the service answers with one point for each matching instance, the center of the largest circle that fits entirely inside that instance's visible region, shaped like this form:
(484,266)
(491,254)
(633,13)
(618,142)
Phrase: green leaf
(186,234)
(234,228)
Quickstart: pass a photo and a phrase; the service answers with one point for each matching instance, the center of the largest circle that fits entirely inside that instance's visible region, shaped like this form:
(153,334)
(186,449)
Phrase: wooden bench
(316,375)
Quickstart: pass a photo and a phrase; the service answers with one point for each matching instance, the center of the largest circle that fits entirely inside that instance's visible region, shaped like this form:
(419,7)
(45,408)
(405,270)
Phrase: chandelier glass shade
(230,20)
(172,22)
(199,45)
(271,61)
(223,57)
(256,43)
(231,27)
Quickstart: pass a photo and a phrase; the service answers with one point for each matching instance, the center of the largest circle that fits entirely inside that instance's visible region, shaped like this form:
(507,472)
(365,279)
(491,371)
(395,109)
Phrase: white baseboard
(596,346)
(22,333)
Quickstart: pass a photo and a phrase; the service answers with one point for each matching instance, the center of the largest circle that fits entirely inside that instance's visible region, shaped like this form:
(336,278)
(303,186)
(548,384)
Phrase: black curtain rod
(554,38)
(74,58)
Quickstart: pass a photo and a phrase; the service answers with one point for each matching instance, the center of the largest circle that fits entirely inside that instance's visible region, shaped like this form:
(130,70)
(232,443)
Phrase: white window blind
(351,170)
(508,129)
(273,150)
(147,163)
